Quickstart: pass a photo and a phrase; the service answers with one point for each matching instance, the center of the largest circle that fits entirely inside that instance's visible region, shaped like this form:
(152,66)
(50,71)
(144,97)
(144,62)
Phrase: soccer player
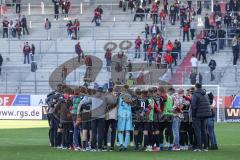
(166,121)
(148,120)
(52,120)
(137,113)
(84,114)
(186,130)
(124,119)
(76,100)
(179,101)
(157,114)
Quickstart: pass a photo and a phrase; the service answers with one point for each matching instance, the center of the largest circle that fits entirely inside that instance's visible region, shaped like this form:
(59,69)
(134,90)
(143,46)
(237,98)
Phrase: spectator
(138,43)
(154,44)
(235,49)
(195,77)
(218,19)
(67,8)
(200,112)
(150,55)
(47,27)
(62,4)
(108,57)
(183,15)
(179,48)
(145,47)
(227,7)
(76,25)
(26,52)
(56,9)
(210,124)
(154,30)
(168,59)
(212,65)
(97,17)
(173,14)
(64,73)
(194,63)
(147,29)
(213,42)
(186,31)
(1,61)
(79,51)
(207,22)
(236,5)
(5,23)
(88,63)
(162,16)
(131,5)
(165,6)
(193,27)
(129,66)
(160,42)
(221,35)
(70,29)
(169,46)
(158,60)
(154,13)
(189,2)
(33,52)
(12,28)
(175,54)
(203,50)
(216,8)
(18,6)
(18,27)
(139,14)
(24,25)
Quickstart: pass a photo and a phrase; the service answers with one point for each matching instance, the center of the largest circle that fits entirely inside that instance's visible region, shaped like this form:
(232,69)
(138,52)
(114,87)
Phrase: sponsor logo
(232,113)
(20,112)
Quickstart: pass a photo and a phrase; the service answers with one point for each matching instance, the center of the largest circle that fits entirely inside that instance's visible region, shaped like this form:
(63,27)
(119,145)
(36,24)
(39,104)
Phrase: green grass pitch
(23,142)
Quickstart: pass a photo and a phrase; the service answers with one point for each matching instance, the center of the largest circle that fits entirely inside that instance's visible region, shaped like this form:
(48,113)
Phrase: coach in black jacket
(200,112)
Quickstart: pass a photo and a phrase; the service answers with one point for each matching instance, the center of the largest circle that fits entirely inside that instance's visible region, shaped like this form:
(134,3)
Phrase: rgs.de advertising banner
(22,107)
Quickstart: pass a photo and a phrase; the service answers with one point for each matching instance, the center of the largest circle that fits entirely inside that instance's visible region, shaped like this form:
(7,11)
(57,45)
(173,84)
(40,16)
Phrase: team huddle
(153,119)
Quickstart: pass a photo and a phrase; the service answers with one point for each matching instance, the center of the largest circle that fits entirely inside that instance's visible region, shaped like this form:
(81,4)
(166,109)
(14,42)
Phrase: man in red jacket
(67,8)
(138,43)
(26,52)
(169,60)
